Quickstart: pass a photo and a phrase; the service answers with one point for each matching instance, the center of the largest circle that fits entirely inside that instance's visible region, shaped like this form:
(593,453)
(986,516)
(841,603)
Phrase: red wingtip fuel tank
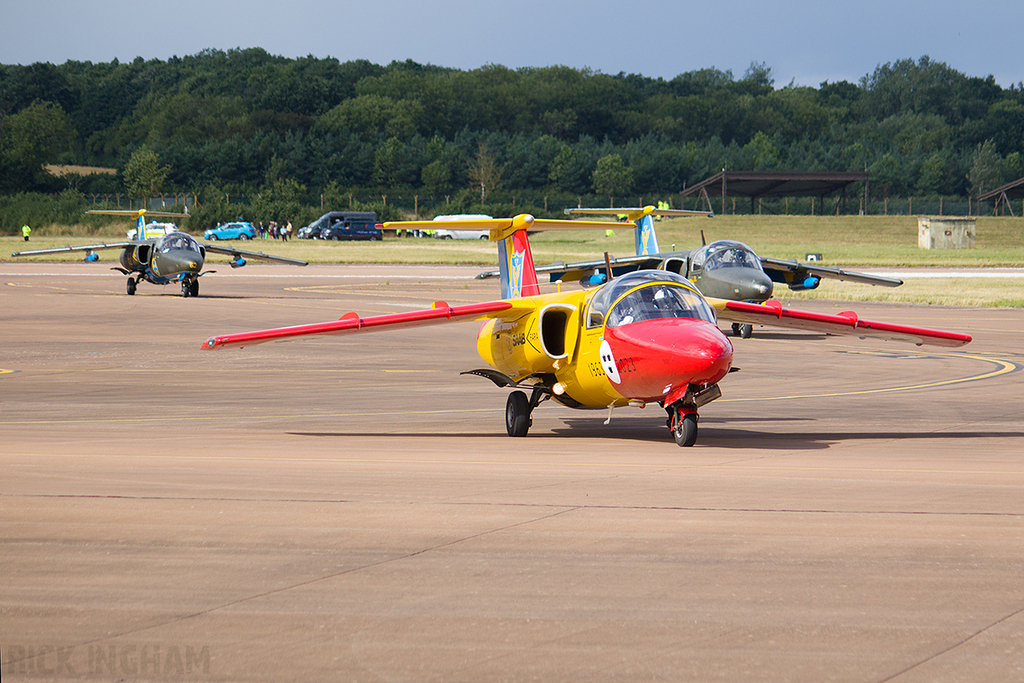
(648,360)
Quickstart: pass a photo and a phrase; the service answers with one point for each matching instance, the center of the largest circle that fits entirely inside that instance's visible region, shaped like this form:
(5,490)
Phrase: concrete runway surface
(350,509)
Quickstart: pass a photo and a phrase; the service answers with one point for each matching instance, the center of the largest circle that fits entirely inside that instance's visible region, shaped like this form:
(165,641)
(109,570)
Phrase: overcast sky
(802,41)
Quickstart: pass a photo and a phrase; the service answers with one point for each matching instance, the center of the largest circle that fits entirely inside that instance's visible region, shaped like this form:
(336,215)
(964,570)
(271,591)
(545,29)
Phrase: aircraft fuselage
(173,258)
(642,338)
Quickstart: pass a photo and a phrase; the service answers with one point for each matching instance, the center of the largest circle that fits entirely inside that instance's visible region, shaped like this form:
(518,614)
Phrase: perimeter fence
(68,207)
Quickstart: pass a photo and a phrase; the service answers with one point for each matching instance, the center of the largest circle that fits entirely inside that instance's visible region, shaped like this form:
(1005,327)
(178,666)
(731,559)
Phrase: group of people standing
(274,231)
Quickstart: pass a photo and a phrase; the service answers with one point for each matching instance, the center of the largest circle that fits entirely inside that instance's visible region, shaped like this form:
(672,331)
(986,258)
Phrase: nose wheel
(190,288)
(683,423)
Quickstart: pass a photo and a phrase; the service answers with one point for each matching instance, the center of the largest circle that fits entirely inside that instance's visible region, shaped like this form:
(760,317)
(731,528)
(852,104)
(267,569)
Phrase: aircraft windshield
(726,254)
(647,295)
(177,241)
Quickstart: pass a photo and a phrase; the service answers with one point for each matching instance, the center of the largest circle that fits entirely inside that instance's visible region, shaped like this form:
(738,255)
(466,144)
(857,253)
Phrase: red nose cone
(653,357)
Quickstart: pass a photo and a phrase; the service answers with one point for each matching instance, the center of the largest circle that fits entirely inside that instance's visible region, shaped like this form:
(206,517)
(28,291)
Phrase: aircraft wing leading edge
(351,323)
(217,249)
(135,243)
(773,314)
(84,247)
(781,265)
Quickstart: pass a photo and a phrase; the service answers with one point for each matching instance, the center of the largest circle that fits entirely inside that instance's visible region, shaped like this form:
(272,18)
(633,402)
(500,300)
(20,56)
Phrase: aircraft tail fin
(515,263)
(646,238)
(515,258)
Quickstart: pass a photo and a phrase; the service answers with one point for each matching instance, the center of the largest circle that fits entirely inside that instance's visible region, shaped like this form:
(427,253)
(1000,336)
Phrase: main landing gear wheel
(684,428)
(131,286)
(744,331)
(517,414)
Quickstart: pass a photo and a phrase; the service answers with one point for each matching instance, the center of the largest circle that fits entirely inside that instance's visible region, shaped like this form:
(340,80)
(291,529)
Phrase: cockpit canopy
(179,241)
(647,295)
(726,254)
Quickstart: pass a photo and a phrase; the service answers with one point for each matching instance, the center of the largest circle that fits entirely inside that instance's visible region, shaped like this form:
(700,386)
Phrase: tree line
(246,122)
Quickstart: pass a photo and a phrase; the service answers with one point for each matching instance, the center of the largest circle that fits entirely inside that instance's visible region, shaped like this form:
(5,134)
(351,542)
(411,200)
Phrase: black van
(342,225)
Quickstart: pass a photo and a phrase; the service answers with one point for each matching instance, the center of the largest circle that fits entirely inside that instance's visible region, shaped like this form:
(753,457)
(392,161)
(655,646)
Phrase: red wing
(773,314)
(350,323)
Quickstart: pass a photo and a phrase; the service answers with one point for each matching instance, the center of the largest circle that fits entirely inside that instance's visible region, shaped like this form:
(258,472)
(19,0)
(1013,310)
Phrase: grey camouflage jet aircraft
(724,269)
(176,257)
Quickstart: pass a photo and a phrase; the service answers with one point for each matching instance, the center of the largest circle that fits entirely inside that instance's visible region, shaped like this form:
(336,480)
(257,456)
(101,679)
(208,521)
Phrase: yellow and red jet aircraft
(646,337)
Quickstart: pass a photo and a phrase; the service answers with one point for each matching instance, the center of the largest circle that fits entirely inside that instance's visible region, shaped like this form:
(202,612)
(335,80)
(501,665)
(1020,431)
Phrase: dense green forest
(247,124)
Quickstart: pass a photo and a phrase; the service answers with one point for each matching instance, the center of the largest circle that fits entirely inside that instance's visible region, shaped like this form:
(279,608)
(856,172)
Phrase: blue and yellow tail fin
(515,263)
(515,258)
(645,237)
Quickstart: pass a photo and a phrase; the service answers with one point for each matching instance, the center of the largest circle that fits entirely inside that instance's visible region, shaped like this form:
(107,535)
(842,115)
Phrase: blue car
(239,230)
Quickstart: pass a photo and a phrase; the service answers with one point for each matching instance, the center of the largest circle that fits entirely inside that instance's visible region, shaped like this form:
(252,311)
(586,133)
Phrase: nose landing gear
(682,413)
(683,423)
